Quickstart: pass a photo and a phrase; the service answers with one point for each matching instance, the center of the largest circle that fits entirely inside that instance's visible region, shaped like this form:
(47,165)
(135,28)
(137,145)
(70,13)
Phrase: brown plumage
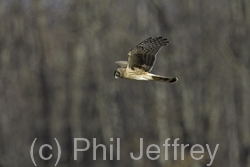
(141,60)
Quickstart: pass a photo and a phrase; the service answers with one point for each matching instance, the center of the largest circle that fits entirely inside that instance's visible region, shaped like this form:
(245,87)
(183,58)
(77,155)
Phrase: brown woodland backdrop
(56,80)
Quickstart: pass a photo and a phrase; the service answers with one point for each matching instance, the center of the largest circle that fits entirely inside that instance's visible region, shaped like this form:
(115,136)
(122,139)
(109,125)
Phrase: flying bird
(141,60)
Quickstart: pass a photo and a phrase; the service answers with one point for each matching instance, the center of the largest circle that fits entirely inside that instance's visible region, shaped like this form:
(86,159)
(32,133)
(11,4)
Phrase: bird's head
(118,73)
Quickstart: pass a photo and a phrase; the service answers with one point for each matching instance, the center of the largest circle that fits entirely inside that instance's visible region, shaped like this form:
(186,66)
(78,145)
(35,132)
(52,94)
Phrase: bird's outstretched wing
(144,54)
(122,64)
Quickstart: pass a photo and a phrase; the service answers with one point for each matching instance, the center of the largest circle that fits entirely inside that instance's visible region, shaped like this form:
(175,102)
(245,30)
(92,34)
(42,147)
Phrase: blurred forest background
(56,80)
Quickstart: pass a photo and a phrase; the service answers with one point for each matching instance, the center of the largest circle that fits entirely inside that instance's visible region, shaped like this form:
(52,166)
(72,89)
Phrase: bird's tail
(164,79)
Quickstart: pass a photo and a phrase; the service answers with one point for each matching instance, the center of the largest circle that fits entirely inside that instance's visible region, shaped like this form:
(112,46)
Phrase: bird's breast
(137,74)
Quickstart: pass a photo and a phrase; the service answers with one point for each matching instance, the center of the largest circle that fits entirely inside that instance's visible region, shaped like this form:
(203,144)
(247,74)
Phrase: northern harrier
(141,60)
